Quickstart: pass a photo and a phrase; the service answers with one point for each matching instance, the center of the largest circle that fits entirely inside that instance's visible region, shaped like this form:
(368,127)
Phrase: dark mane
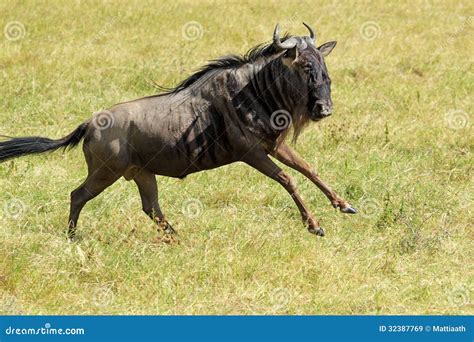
(226,62)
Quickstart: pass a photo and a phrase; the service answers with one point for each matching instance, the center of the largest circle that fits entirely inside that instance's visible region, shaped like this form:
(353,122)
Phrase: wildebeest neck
(271,90)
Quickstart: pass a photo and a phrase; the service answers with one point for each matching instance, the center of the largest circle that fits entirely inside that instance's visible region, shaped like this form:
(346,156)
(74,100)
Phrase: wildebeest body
(234,109)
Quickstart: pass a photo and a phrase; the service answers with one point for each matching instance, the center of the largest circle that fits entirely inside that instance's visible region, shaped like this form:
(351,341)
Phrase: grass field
(398,147)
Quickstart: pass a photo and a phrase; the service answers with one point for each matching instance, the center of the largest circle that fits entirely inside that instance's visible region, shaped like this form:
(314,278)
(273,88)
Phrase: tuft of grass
(399,148)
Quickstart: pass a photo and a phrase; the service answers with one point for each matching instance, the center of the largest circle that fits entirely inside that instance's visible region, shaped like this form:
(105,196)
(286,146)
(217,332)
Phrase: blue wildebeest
(236,108)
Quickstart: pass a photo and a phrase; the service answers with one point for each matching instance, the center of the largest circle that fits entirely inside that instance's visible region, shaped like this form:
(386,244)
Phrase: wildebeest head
(311,75)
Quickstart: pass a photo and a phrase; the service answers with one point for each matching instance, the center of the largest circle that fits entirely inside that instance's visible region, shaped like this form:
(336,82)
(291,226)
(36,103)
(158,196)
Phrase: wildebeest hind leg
(146,182)
(96,182)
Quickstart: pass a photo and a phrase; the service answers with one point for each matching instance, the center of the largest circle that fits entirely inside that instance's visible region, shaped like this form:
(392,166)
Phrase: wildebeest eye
(307,68)
(312,76)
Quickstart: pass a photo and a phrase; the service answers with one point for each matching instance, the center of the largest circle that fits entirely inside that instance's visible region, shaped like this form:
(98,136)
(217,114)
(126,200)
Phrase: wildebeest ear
(326,48)
(292,53)
(290,56)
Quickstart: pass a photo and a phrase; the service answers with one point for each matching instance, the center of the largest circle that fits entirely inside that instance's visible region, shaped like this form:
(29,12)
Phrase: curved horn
(287,44)
(312,35)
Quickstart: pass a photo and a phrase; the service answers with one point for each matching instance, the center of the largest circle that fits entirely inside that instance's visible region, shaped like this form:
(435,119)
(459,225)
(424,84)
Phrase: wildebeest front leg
(265,165)
(290,158)
(146,182)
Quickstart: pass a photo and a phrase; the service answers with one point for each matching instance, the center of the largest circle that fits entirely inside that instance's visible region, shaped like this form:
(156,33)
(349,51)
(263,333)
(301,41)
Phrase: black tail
(17,147)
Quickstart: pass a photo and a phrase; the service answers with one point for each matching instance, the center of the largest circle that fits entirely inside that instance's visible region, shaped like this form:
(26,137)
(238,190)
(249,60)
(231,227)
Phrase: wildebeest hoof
(349,210)
(71,237)
(74,239)
(168,229)
(316,231)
